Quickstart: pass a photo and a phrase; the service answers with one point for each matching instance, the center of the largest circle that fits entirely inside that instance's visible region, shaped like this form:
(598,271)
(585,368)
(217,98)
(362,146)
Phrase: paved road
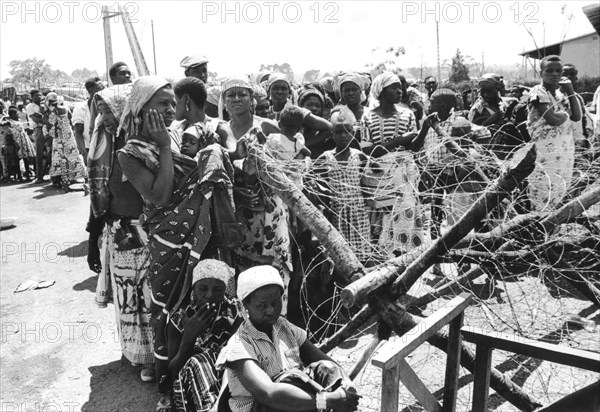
(58,350)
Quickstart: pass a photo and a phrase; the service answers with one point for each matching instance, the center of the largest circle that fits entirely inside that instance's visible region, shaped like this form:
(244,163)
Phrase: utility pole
(482,62)
(437,32)
(153,47)
(106,15)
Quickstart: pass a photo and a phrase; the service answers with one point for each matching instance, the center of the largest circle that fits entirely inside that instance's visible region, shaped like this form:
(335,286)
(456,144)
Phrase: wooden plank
(389,389)
(481,384)
(392,352)
(412,382)
(453,364)
(540,350)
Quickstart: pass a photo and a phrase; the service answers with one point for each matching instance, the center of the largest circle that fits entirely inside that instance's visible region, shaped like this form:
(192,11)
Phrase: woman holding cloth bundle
(270,364)
(183,199)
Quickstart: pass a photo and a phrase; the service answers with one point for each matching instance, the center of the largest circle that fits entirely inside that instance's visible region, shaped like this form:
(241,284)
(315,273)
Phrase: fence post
(481,385)
(390,387)
(453,363)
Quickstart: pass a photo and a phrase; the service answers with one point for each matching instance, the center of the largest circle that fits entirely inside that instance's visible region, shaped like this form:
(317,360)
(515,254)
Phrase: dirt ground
(59,351)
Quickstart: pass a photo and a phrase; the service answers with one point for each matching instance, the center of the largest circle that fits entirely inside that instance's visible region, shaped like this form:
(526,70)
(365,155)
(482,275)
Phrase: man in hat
(195,66)
(37,121)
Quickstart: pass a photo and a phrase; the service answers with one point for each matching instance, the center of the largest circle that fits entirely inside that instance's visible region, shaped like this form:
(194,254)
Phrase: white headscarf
(382,81)
(255,278)
(141,92)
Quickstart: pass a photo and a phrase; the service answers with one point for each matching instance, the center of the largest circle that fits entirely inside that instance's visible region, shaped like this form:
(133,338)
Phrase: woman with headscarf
(198,331)
(13,125)
(489,108)
(270,364)
(391,137)
(67,165)
(267,235)
(185,202)
(280,92)
(317,141)
(261,102)
(122,259)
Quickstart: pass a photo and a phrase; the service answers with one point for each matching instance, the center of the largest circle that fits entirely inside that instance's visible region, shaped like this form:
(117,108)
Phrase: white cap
(194,60)
(255,278)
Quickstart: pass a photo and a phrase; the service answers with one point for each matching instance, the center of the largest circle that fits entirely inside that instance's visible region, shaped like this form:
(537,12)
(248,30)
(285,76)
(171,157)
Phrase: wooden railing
(390,358)
(488,341)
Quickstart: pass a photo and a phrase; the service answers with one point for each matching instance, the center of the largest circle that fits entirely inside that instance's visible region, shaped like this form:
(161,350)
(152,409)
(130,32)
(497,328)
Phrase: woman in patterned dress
(267,234)
(67,164)
(198,331)
(390,137)
(552,105)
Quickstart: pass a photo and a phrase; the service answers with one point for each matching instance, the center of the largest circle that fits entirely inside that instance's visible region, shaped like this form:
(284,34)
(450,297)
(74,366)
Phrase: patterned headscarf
(142,91)
(382,81)
(278,77)
(260,93)
(215,269)
(213,94)
(307,92)
(230,83)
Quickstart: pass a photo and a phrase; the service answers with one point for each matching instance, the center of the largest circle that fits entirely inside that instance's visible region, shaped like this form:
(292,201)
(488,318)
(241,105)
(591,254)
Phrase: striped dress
(198,384)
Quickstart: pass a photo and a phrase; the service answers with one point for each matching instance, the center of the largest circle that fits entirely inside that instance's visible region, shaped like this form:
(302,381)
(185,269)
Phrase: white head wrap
(230,83)
(215,269)
(255,278)
(382,81)
(141,92)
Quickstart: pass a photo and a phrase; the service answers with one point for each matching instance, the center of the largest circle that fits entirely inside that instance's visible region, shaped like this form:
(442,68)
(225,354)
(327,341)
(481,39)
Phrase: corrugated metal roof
(552,48)
(593,14)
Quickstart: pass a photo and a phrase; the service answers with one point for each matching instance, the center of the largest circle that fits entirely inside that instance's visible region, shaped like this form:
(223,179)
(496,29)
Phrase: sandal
(164,404)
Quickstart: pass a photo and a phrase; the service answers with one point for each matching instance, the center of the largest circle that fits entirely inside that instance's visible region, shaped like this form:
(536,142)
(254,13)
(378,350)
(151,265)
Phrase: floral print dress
(555,150)
(67,163)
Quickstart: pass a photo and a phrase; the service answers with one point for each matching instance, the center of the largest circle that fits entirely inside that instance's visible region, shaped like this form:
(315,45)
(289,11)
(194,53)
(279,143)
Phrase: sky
(237,36)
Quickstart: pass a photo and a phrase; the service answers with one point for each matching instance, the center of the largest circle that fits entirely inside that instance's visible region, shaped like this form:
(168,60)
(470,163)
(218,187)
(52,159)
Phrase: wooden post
(481,384)
(390,389)
(453,364)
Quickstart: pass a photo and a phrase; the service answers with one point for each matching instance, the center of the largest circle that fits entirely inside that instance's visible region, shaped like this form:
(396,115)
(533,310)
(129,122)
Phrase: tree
(276,68)
(311,76)
(81,75)
(459,71)
(32,72)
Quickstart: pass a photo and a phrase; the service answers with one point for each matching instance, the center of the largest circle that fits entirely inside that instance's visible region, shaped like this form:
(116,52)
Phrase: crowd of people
(203,259)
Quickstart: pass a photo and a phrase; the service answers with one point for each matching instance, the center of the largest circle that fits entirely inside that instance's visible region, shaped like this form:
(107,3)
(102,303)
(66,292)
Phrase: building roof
(593,14)
(552,48)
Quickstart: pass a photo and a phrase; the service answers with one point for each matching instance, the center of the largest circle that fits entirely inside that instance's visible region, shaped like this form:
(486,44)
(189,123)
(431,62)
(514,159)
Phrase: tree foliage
(459,71)
(81,75)
(29,72)
(284,68)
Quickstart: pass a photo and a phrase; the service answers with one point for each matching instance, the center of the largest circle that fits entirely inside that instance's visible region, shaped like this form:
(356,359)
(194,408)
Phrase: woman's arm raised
(155,189)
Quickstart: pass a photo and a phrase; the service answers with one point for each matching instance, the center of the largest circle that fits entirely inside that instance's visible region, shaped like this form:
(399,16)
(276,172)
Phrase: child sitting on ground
(11,157)
(289,145)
